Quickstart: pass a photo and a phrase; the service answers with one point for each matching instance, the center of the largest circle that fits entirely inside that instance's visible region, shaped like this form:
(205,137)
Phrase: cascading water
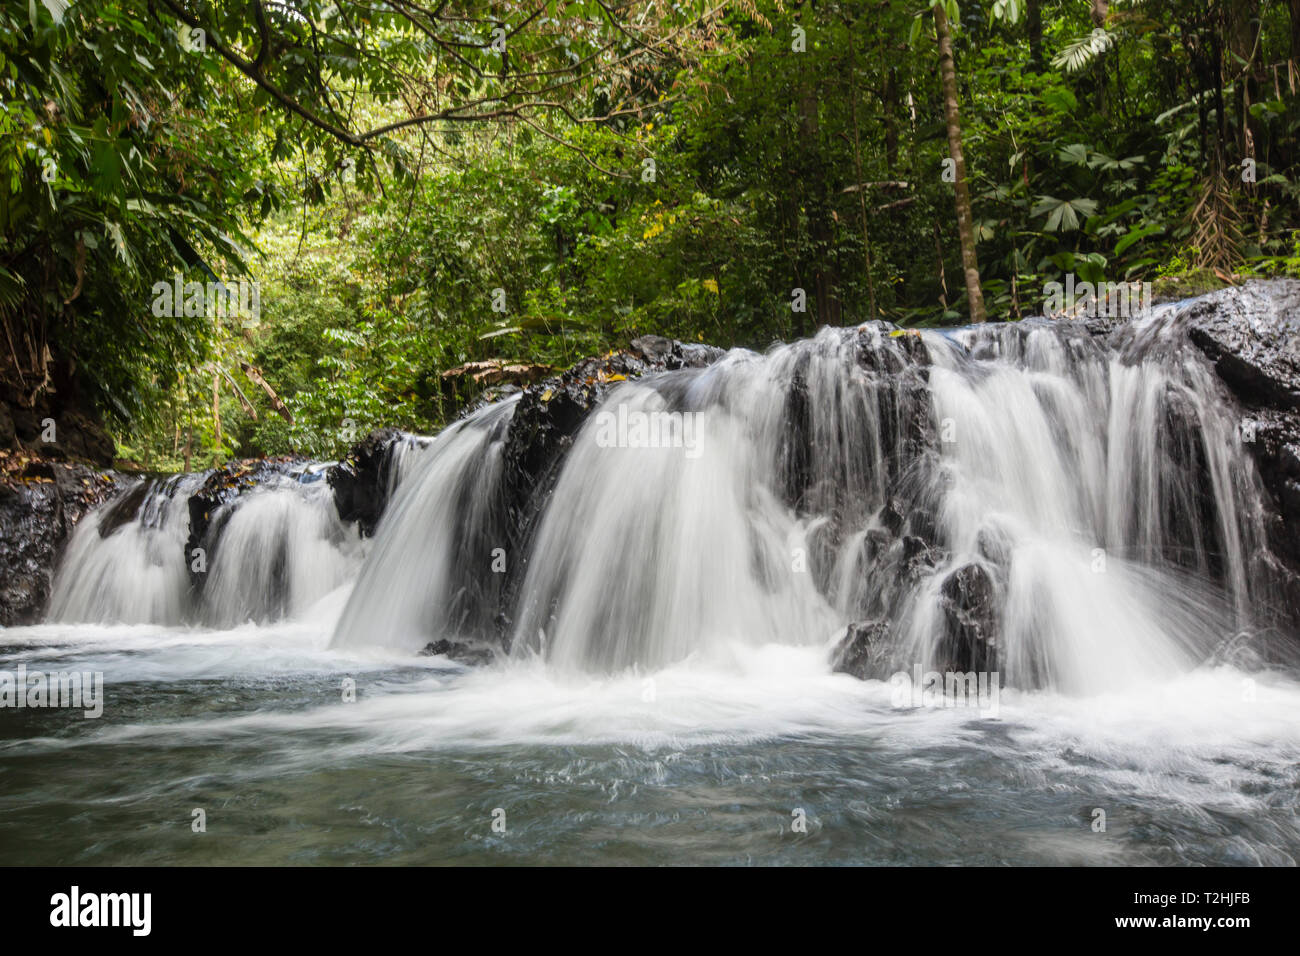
(268,554)
(126,560)
(1064,485)
(1019,497)
(647,555)
(1061,475)
(669,579)
(279,549)
(431,575)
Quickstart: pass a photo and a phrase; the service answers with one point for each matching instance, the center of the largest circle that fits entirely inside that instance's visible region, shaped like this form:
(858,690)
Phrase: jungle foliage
(419,190)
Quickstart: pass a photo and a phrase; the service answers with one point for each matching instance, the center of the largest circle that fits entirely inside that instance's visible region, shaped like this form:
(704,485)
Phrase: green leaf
(1136,234)
(1076,153)
(1061,99)
(1063,214)
(915,33)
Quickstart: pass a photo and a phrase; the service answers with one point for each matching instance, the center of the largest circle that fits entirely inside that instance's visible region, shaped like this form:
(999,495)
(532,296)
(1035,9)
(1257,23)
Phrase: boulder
(862,649)
(968,599)
(362,480)
(463,652)
(1252,335)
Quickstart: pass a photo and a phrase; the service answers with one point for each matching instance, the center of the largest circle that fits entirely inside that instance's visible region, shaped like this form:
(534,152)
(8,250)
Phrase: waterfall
(1074,512)
(1104,496)
(277,550)
(1100,497)
(430,574)
(267,554)
(125,562)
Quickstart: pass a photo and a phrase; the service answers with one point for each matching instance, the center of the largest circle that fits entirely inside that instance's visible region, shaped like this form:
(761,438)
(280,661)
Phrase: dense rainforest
(251,228)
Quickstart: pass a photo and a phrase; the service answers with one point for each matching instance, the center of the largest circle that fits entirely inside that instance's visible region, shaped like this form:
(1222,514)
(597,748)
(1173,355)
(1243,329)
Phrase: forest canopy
(242,228)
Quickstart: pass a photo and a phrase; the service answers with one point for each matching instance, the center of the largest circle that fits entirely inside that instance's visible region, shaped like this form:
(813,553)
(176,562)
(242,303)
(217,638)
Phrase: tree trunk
(1295,30)
(1034,28)
(965,221)
(889,98)
(862,188)
(255,375)
(818,208)
(216,410)
(1243,40)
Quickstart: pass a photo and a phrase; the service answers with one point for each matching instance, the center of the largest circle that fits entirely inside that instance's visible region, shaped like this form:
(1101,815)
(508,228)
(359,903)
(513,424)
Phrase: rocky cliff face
(1252,336)
(40,503)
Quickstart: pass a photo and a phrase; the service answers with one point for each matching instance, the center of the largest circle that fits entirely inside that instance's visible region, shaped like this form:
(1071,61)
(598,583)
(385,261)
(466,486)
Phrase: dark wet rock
(463,652)
(862,650)
(875,543)
(921,524)
(1251,335)
(125,508)
(968,599)
(891,516)
(796,443)
(551,412)
(879,343)
(40,504)
(362,480)
(1191,513)
(919,558)
(661,353)
(898,365)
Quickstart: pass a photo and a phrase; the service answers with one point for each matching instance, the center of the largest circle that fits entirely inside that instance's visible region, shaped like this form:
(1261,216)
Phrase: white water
(651,555)
(671,619)
(272,552)
(281,550)
(407,592)
(136,575)
(697,761)
(1105,494)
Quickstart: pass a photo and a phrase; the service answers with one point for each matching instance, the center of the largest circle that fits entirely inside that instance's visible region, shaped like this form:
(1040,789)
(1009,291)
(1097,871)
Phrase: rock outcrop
(1251,335)
(863,650)
(40,503)
(970,613)
(362,480)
